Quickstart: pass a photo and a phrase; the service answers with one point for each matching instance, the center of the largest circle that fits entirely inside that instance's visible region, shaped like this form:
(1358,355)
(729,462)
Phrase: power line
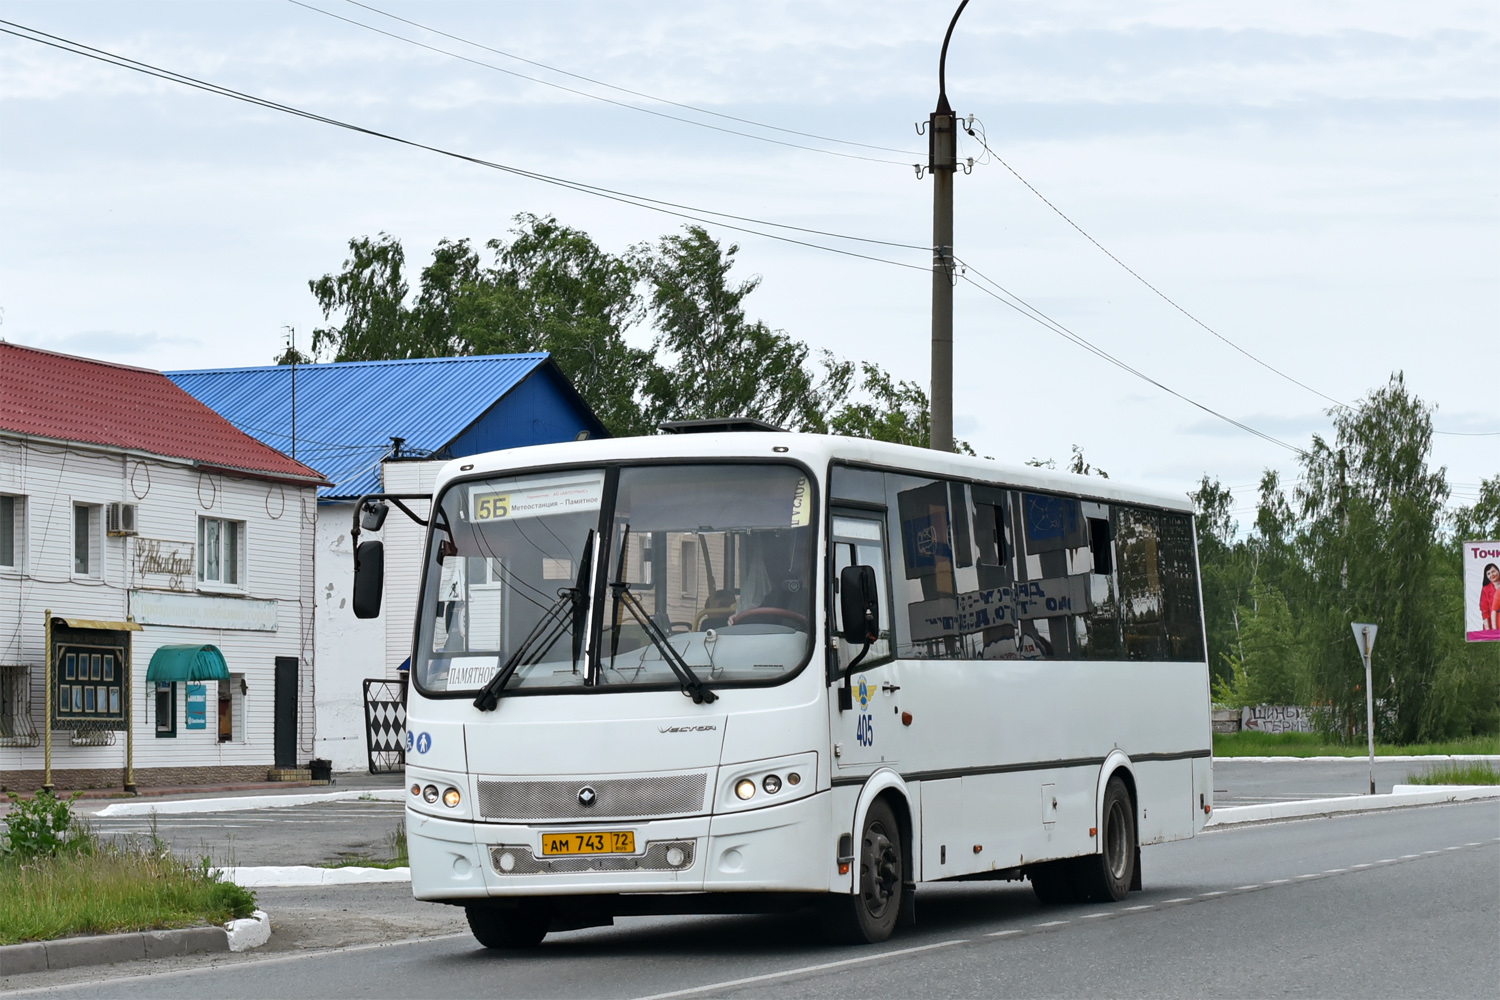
(1134,274)
(574,90)
(1009,298)
(639,201)
(1034,314)
(981,139)
(634,93)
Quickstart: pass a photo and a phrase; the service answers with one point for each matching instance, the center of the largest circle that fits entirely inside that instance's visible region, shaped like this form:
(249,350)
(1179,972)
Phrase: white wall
(350,650)
(170,496)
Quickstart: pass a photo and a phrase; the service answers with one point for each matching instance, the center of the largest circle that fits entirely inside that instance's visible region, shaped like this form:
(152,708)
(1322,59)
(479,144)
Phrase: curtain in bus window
(1138,548)
(1181,615)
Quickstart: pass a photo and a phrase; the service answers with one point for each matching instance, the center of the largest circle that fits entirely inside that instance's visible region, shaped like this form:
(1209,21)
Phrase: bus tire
(1054,882)
(869,915)
(523,927)
(1107,876)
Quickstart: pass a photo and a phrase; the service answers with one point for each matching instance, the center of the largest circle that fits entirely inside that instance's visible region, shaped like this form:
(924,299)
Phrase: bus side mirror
(859,605)
(369,579)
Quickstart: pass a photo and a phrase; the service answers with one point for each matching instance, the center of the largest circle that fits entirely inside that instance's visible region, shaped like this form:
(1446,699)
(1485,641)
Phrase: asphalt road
(1404,903)
(1244,782)
(339,831)
(293,835)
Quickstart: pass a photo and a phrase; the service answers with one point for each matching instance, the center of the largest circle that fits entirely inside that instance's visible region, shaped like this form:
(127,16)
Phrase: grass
(395,841)
(1456,772)
(112,888)
(1256,744)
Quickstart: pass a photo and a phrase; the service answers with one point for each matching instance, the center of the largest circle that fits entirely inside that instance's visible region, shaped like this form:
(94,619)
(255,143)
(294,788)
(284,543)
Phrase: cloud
(114,343)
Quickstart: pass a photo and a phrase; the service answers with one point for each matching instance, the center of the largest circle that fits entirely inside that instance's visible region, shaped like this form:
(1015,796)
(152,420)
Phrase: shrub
(40,826)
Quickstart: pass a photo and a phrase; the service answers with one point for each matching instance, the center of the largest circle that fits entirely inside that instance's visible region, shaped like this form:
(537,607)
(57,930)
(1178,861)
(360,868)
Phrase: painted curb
(240,803)
(1436,758)
(250,932)
(1406,795)
(107,949)
(296,876)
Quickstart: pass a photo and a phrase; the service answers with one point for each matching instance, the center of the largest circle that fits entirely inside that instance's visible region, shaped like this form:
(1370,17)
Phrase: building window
(219,556)
(166,711)
(85,540)
(12,517)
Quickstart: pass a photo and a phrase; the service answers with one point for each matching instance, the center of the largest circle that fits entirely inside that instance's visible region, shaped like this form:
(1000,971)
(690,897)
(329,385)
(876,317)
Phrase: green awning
(187,663)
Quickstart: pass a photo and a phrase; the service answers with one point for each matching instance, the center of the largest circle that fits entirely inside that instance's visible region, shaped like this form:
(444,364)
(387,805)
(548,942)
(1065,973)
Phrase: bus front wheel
(523,927)
(870,914)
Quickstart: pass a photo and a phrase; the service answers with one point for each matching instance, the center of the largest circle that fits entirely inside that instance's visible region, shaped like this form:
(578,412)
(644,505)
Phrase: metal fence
(385,724)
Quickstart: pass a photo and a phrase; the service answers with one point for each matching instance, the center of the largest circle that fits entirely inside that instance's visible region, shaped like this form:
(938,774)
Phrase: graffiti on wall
(1277,718)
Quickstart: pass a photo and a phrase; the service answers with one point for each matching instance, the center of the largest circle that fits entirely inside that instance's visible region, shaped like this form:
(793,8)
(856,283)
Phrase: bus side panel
(1203,791)
(1165,811)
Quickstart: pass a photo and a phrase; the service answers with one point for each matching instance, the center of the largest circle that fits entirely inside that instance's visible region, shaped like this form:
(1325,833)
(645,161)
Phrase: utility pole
(942,162)
(1364,637)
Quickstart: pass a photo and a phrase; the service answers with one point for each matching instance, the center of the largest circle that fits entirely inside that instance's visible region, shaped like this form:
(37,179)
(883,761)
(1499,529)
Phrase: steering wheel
(755,614)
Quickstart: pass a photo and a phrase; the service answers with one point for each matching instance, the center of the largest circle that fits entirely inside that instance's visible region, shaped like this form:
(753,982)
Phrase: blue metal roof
(347,412)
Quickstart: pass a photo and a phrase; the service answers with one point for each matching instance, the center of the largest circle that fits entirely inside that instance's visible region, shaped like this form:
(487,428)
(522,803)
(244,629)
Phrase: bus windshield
(705,565)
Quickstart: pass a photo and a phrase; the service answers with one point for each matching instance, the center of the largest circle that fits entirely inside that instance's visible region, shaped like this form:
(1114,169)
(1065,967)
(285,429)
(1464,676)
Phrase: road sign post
(1364,638)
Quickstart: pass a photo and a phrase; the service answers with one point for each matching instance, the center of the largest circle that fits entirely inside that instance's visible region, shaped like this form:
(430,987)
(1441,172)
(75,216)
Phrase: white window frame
(17,563)
(95,570)
(17,728)
(241,550)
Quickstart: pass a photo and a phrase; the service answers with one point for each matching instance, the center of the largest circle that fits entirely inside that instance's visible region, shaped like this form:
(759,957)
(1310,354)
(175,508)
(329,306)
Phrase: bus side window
(860,541)
(1181,615)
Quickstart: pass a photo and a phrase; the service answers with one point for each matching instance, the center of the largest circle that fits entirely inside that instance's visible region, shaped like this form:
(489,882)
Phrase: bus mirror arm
(846,690)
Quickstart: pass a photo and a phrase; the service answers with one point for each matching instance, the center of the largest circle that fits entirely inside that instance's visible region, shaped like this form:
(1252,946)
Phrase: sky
(1316,182)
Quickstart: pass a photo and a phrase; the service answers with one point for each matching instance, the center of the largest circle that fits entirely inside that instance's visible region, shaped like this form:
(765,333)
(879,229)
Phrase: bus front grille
(581,799)
(660,856)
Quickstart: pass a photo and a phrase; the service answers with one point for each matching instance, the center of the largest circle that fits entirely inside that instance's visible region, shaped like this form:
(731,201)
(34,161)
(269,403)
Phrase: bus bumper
(772,849)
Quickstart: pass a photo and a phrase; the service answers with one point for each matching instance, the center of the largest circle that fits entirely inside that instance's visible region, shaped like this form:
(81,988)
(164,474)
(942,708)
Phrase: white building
(132,511)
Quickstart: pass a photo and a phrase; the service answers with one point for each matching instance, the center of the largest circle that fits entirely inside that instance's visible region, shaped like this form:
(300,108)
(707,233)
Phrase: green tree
(370,292)
(1371,509)
(1223,574)
(721,363)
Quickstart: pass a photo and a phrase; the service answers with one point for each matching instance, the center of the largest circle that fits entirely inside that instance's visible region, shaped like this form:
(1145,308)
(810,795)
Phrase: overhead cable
(584,93)
(1020,305)
(633,93)
(689,212)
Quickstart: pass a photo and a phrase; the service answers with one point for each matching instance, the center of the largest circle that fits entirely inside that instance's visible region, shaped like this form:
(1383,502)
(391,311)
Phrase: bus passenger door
(870,732)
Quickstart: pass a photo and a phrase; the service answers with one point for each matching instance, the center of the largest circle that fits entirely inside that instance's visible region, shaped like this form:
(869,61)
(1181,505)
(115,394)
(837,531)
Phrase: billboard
(1482,591)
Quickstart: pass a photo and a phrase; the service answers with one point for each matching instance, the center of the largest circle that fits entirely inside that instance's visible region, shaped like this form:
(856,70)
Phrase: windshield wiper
(545,633)
(692,687)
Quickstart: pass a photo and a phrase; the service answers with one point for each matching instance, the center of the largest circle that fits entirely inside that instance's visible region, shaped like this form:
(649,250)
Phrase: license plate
(596,842)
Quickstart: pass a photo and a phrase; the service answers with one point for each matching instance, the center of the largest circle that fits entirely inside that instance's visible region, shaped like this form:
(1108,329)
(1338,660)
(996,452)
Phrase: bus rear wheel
(1107,876)
(870,914)
(523,927)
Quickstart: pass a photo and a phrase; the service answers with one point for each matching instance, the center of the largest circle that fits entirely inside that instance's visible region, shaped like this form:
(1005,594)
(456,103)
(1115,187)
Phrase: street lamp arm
(942,104)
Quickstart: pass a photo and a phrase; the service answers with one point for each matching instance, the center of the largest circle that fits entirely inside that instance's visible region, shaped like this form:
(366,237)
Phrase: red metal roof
(79,399)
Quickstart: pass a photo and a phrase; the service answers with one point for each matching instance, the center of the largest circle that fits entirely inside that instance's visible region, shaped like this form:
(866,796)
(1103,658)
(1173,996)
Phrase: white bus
(757,672)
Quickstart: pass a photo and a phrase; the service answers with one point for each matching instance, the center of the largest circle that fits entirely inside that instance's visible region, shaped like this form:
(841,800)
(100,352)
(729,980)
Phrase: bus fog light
(675,857)
(507,861)
(430,793)
(772,784)
(745,789)
(794,778)
(451,798)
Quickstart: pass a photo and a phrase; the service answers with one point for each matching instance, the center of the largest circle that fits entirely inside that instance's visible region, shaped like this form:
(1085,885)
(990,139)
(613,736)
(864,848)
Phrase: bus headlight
(772,784)
(451,798)
(745,789)
(430,793)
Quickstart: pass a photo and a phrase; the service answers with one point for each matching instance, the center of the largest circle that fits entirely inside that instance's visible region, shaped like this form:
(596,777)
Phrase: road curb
(1432,758)
(1307,808)
(108,949)
(299,876)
